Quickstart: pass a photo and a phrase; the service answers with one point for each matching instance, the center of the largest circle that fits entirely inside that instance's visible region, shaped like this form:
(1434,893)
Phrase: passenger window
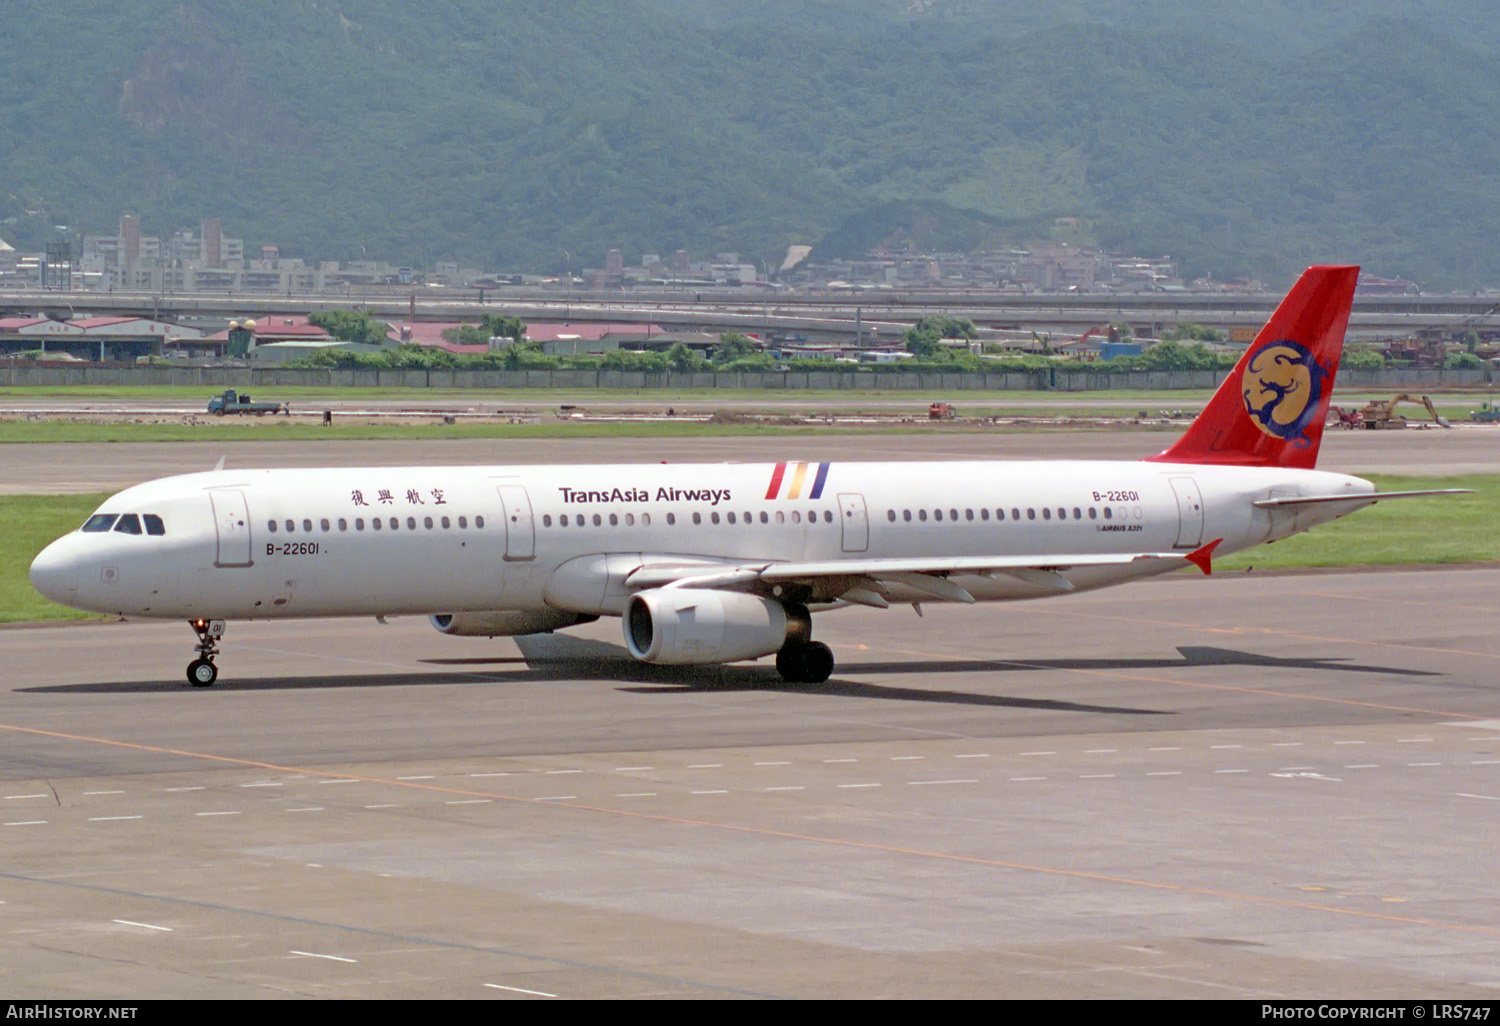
(614,520)
(729,517)
(1093,513)
(922,515)
(343,524)
(307,526)
(479,521)
(324,525)
(598,521)
(629,519)
(645,519)
(890,515)
(128,524)
(714,517)
(1046,513)
(937,515)
(953,514)
(671,519)
(828,516)
(1015,514)
(1077,513)
(906,515)
(446,522)
(697,518)
(271,526)
(763,518)
(154,524)
(1030,513)
(1108,513)
(100,522)
(984,514)
(359,523)
(796,517)
(463,522)
(546,520)
(290,526)
(968,514)
(780,517)
(395,524)
(1062,514)
(374,523)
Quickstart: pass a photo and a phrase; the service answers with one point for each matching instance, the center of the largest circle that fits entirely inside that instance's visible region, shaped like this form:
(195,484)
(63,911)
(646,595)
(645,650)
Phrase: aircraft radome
(713,563)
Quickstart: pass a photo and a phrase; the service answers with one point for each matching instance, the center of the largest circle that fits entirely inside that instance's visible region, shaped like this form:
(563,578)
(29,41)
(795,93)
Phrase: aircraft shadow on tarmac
(551,657)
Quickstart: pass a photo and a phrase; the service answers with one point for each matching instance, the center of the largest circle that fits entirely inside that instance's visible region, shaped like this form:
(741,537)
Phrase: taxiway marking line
(790,835)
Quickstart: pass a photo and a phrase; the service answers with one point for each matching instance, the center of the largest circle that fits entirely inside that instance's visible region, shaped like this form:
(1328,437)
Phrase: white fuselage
(257,544)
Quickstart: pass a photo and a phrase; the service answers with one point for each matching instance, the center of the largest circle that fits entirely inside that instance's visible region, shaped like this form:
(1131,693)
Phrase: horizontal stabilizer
(1360,497)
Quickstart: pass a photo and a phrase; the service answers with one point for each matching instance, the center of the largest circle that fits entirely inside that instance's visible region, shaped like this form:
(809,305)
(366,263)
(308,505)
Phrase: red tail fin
(1269,412)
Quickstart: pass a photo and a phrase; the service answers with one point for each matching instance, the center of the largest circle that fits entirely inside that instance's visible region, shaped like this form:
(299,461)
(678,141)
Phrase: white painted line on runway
(553,773)
(498,774)
(331,958)
(1424,764)
(105,819)
(563,798)
(907,758)
(469,801)
(1286,744)
(783,762)
(919,783)
(633,769)
(976,755)
(712,791)
(1484,762)
(638,794)
(425,776)
(265,783)
(840,760)
(520,990)
(858,785)
(1225,746)
(27,822)
(1096,776)
(1100,751)
(1232,771)
(1028,778)
(789,787)
(1289,769)
(1168,748)
(11,797)
(1363,765)
(1348,742)
(1165,773)
(707,765)
(340,780)
(230,813)
(388,805)
(1486,797)
(1412,740)
(174,790)
(309,808)
(104,792)
(143,926)
(1038,753)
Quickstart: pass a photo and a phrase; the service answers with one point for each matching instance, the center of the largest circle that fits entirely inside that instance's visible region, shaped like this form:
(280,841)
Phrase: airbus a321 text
(714,563)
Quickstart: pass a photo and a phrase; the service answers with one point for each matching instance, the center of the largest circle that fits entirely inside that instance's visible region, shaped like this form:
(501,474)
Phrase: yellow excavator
(1377,415)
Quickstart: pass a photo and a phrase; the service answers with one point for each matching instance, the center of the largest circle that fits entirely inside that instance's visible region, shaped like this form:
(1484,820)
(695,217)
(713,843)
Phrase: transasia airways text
(712,496)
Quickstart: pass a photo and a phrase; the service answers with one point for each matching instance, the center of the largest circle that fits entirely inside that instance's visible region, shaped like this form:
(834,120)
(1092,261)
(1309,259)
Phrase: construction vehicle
(940,411)
(1347,419)
(1378,415)
(239,402)
(1488,413)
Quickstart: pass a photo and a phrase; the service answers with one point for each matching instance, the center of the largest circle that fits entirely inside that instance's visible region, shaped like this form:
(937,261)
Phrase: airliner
(716,563)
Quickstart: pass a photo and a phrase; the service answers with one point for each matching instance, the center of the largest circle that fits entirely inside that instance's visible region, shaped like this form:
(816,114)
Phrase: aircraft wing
(863,580)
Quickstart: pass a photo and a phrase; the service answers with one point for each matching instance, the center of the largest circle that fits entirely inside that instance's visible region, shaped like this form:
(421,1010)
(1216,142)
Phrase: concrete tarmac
(44,468)
(1239,787)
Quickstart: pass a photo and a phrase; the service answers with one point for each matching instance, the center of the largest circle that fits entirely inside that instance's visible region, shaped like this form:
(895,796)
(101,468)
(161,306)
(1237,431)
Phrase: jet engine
(687,625)
(506,623)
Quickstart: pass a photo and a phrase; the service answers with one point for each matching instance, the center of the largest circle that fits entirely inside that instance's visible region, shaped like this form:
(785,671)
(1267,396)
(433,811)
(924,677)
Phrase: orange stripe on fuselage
(796,490)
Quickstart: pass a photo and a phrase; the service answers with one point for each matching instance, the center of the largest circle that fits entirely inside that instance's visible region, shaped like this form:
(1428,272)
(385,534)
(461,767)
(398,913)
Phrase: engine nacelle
(506,623)
(687,625)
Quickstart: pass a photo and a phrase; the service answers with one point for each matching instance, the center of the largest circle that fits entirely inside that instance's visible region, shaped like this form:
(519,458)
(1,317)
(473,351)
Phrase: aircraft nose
(54,573)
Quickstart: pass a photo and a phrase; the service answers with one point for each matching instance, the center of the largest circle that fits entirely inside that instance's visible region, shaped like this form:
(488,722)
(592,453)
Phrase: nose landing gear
(201,672)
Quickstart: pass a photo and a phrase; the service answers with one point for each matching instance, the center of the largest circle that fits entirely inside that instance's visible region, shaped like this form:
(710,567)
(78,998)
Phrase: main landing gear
(805,662)
(201,672)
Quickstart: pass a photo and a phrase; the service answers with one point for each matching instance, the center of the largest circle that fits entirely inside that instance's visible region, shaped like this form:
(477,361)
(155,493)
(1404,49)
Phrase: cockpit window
(128,524)
(153,524)
(100,522)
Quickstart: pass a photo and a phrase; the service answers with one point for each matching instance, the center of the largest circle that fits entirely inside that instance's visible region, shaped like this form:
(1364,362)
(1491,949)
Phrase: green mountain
(1244,138)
